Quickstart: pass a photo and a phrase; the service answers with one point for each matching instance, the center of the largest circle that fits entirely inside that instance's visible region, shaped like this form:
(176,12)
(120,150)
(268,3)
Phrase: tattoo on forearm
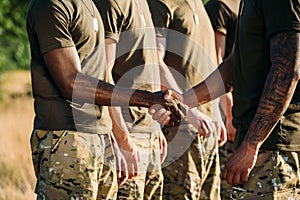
(279,86)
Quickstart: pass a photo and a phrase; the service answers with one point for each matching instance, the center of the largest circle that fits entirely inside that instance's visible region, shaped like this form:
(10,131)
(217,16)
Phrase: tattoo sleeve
(279,86)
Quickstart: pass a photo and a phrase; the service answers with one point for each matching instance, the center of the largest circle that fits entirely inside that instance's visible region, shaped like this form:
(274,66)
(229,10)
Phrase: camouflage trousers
(149,183)
(225,152)
(73,165)
(191,169)
(275,176)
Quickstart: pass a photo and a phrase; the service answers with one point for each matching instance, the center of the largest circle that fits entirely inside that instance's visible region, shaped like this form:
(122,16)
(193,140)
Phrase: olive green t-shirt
(223,17)
(258,21)
(190,44)
(53,24)
(129,23)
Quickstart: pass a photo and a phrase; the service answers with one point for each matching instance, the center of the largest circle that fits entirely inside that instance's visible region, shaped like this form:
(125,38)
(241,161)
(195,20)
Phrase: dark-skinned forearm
(279,86)
(92,90)
(214,86)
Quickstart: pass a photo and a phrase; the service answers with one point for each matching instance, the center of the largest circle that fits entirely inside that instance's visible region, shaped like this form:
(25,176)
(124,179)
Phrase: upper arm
(63,65)
(161,48)
(220,42)
(110,50)
(285,51)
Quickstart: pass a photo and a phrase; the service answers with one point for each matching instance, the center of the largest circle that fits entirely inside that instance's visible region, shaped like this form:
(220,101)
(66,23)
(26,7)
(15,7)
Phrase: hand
(221,132)
(200,121)
(163,146)
(121,165)
(131,154)
(240,164)
(171,111)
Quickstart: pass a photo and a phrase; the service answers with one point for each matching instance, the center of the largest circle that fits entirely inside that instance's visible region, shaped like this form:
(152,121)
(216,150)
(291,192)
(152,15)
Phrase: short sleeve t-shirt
(55,24)
(223,17)
(258,21)
(129,23)
(190,46)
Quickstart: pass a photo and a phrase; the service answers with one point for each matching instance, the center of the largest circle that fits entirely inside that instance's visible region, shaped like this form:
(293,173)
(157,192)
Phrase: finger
(135,167)
(201,132)
(130,170)
(119,174)
(237,178)
(154,109)
(121,181)
(245,176)
(229,176)
(168,94)
(225,173)
(165,121)
(123,178)
(136,163)
(161,114)
(205,128)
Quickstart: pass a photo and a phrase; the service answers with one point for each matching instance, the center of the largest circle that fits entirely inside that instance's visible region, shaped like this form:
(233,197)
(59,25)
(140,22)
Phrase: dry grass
(16,119)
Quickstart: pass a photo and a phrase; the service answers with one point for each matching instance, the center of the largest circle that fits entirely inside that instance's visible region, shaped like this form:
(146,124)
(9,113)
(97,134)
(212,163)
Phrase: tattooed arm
(279,88)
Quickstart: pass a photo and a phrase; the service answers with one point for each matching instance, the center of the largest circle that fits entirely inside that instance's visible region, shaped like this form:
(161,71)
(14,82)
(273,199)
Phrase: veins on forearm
(279,86)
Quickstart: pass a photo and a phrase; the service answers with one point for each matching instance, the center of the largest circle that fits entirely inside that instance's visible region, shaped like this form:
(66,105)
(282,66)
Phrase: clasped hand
(171,110)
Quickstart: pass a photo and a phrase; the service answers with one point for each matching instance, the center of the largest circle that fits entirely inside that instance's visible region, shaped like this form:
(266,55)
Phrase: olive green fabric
(67,24)
(190,47)
(223,17)
(129,23)
(258,21)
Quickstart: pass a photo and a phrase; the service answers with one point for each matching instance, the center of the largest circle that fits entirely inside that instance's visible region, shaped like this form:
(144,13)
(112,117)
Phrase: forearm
(279,86)
(91,90)
(214,86)
(226,105)
(167,78)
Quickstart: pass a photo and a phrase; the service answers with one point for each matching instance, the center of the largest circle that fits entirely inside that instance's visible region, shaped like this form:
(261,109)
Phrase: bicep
(110,50)
(63,65)
(220,40)
(161,47)
(285,51)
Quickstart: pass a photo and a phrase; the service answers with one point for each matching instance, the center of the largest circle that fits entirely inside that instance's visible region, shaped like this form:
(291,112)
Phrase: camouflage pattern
(73,165)
(192,165)
(274,176)
(225,152)
(148,184)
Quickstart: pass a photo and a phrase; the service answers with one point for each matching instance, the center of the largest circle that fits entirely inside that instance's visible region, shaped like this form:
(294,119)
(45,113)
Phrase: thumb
(168,94)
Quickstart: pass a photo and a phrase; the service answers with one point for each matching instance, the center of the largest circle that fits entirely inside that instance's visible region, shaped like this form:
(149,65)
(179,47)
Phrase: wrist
(124,143)
(251,145)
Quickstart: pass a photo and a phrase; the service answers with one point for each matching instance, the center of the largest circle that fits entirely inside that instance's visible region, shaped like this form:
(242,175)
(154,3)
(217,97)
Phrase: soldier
(186,44)
(263,73)
(132,62)
(71,143)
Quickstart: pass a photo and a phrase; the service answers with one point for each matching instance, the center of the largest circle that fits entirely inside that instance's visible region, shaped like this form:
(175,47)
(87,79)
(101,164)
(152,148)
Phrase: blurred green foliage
(205,1)
(15,50)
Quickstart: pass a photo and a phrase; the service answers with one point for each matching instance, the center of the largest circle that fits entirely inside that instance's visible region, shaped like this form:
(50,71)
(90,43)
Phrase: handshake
(171,110)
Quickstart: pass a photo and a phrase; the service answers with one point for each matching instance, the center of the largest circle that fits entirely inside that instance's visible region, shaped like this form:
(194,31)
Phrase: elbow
(67,87)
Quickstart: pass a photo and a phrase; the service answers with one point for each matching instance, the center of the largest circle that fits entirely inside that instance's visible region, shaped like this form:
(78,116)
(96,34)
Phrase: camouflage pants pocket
(274,176)
(69,164)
